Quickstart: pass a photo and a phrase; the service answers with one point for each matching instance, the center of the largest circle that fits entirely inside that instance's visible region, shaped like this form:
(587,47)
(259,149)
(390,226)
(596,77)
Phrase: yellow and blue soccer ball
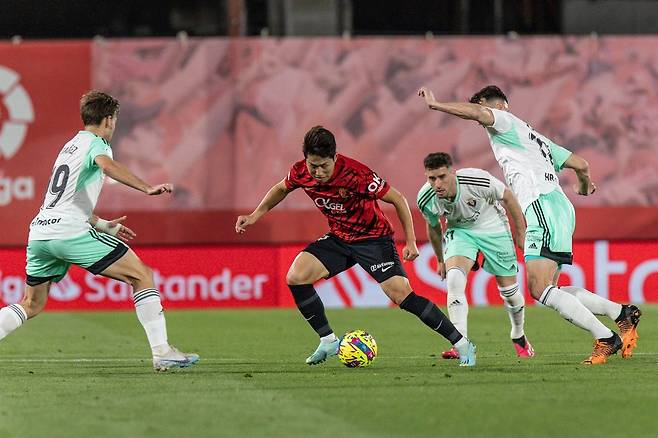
(357,349)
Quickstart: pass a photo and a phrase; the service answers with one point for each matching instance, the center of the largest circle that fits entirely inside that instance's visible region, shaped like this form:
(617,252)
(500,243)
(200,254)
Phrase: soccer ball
(357,349)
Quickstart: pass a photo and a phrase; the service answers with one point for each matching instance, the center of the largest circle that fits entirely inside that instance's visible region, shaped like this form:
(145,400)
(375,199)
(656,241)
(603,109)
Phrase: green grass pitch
(89,375)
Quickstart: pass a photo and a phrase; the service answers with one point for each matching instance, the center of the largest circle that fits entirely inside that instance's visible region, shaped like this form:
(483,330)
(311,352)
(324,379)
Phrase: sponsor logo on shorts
(383,266)
(45,222)
(334,207)
(533,246)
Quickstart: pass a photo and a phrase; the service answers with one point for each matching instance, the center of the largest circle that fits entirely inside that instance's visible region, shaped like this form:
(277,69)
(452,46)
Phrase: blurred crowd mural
(224,119)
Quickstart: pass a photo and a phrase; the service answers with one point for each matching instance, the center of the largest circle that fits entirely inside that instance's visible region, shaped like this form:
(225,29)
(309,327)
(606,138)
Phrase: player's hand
(585,191)
(441,269)
(243,222)
(124,234)
(160,189)
(427,94)
(410,251)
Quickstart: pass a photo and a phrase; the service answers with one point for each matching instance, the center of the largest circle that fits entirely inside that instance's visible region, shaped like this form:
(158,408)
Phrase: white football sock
(574,311)
(150,314)
(457,303)
(595,303)
(11,317)
(328,339)
(515,305)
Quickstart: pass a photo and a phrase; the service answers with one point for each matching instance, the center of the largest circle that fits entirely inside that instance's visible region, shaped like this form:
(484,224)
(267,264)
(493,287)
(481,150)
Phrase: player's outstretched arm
(113,227)
(276,194)
(468,111)
(585,185)
(410,251)
(516,213)
(435,234)
(122,174)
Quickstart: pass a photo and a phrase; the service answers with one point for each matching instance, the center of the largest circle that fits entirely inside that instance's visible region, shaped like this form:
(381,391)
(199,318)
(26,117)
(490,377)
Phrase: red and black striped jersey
(348,199)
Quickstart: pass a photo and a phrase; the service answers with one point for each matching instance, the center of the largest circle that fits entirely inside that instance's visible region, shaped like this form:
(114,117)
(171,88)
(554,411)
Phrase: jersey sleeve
(292,179)
(483,184)
(502,121)
(371,185)
(560,155)
(424,202)
(497,188)
(97,147)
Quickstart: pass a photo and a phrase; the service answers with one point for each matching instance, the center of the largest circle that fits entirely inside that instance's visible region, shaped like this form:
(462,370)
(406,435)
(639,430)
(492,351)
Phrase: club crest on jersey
(471,203)
(343,193)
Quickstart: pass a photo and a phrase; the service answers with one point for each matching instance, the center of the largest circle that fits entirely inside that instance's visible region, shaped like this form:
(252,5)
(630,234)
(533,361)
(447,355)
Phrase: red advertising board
(254,276)
(40,88)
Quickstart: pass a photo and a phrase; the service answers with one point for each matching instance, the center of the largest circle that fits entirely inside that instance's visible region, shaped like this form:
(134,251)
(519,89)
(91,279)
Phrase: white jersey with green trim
(476,206)
(73,189)
(530,161)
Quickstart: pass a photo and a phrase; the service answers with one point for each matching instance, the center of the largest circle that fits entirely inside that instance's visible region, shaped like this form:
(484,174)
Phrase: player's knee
(456,281)
(295,277)
(396,289)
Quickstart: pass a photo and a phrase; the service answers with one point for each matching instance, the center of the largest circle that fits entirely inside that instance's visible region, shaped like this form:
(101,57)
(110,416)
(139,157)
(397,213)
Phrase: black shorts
(378,256)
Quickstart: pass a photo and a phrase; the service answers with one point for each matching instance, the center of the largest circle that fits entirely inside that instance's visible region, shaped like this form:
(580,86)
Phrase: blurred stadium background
(216,97)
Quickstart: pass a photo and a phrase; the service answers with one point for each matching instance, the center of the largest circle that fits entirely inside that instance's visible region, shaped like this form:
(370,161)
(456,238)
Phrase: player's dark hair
(489,92)
(96,105)
(436,160)
(319,141)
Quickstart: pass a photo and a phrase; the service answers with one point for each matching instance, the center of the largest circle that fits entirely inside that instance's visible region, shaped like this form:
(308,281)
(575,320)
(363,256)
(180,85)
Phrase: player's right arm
(579,165)
(435,234)
(464,110)
(122,174)
(276,194)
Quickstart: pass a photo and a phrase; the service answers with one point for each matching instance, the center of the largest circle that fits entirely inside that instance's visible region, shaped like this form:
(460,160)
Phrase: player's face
(109,125)
(443,181)
(321,168)
(498,104)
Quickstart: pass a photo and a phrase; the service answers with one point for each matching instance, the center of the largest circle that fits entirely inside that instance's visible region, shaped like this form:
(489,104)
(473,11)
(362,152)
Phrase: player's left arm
(579,165)
(122,174)
(113,227)
(513,208)
(464,110)
(392,196)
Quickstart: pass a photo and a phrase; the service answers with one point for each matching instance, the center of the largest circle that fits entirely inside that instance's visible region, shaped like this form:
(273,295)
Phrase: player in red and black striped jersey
(346,192)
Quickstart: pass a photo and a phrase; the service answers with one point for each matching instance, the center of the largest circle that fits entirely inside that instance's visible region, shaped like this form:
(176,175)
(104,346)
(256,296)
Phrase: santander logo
(335,207)
(16,112)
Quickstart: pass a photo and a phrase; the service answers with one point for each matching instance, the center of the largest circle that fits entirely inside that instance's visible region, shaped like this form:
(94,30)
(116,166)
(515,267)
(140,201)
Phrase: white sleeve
(497,187)
(502,121)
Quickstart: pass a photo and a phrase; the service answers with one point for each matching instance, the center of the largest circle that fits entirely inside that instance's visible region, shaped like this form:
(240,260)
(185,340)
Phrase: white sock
(574,311)
(515,305)
(595,303)
(457,303)
(328,339)
(461,345)
(11,317)
(150,314)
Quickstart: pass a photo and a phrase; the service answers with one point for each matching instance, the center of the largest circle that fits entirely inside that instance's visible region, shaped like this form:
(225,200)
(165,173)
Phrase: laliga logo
(19,106)
(16,113)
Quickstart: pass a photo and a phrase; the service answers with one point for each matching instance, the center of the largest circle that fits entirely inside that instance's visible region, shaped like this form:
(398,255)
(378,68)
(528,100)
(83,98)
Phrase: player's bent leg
(514,302)
(305,270)
(541,271)
(148,306)
(627,317)
(456,269)
(398,289)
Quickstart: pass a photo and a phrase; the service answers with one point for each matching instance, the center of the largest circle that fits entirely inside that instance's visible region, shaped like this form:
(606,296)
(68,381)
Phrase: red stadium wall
(254,276)
(223,120)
